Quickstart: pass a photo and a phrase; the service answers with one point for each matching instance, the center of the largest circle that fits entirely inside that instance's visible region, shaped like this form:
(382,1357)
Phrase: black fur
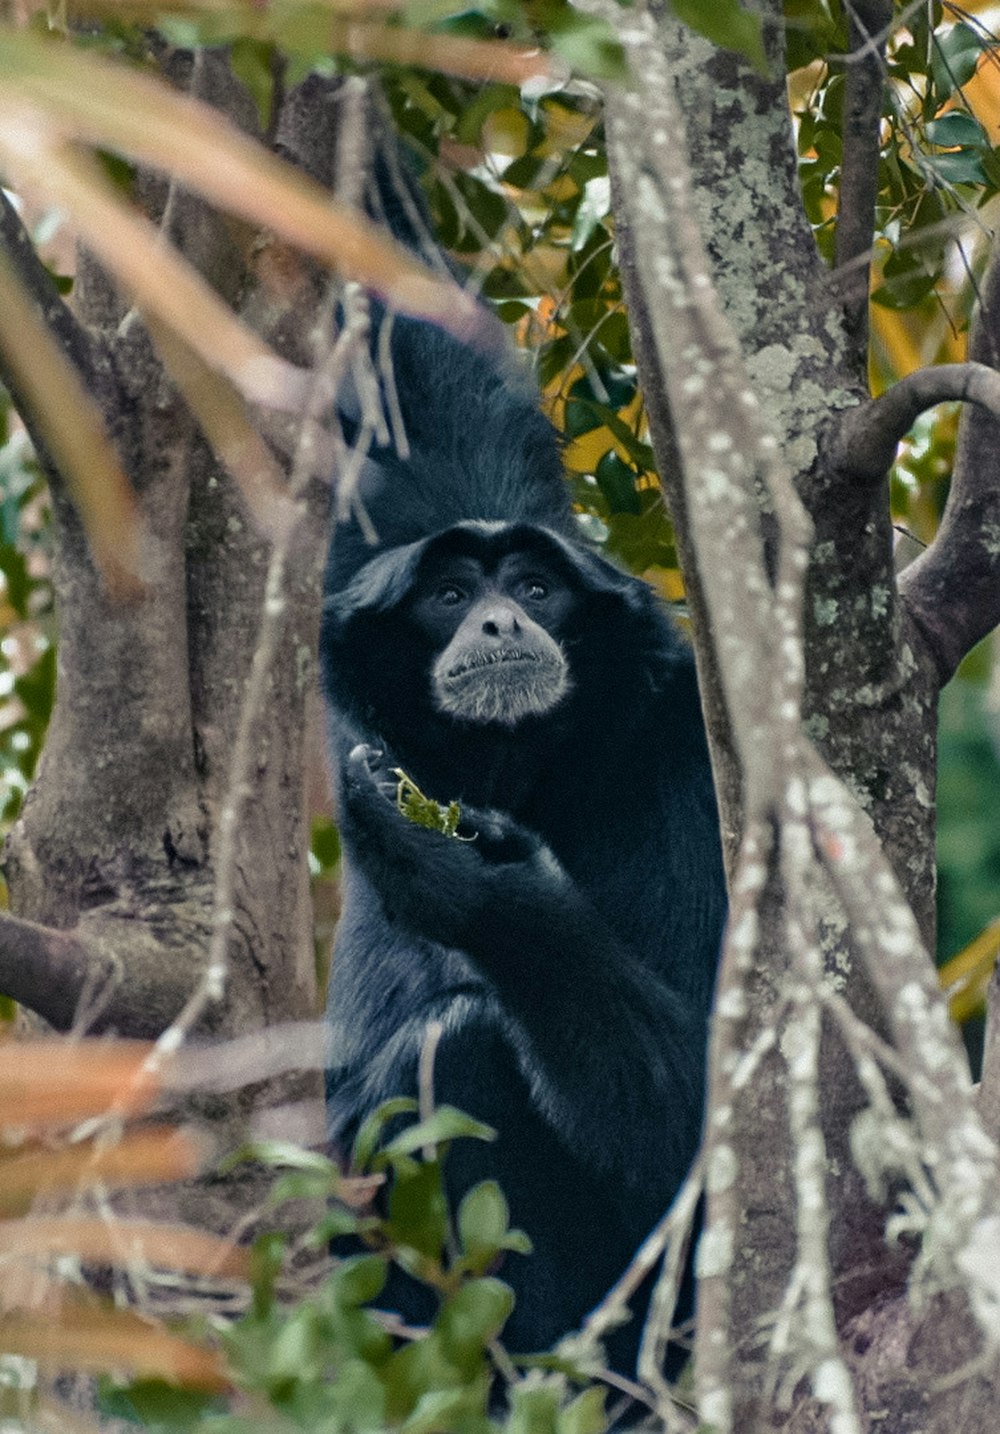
(570,949)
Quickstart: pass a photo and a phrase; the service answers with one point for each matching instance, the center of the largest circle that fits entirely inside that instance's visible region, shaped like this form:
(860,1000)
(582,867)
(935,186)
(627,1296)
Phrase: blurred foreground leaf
(73,432)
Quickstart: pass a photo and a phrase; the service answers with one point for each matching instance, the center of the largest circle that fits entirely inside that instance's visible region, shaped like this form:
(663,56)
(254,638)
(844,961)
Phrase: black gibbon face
(495,629)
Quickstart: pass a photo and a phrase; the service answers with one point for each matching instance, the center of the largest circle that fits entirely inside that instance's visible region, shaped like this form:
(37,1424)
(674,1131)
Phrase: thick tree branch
(766,1252)
(952,591)
(867,437)
(49,970)
(864,81)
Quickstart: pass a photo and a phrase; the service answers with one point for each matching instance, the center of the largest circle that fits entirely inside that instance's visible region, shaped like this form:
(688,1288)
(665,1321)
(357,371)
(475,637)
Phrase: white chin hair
(496,694)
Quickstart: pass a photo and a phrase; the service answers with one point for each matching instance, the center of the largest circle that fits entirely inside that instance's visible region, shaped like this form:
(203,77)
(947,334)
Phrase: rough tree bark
(114,864)
(814,1037)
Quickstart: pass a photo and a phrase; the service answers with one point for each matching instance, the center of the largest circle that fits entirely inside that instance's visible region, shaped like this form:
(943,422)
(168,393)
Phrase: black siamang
(569,949)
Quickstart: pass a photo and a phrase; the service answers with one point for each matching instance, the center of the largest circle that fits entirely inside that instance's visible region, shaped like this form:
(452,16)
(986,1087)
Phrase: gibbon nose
(501,621)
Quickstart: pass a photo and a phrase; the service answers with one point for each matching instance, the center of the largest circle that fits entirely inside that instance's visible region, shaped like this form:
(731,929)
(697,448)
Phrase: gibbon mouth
(489,659)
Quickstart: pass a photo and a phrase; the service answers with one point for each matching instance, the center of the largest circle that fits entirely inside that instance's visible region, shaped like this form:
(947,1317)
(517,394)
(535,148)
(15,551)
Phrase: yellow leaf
(668,582)
(564,128)
(966,976)
(506,131)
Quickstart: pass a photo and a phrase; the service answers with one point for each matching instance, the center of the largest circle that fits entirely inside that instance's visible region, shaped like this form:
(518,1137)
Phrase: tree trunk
(117,850)
(867,698)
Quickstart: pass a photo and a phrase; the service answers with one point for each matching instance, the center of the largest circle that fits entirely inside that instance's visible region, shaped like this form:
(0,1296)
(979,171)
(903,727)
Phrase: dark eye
(535,588)
(448,594)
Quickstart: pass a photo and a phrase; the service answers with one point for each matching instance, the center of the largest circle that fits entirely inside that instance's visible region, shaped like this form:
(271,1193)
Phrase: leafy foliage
(327,1362)
(532,219)
(425,811)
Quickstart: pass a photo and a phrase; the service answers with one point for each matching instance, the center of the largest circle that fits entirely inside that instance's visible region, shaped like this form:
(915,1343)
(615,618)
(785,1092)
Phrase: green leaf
(483,1227)
(36,688)
(955,128)
(523,172)
(418,1210)
(267,1256)
(489,99)
(906,279)
(590,46)
(990,159)
(728,25)
(325,843)
(294,1352)
(439,1409)
(586,1414)
(446,1123)
(617,482)
(512,310)
(359,1280)
(280,1153)
(640,453)
(413,1372)
(534,1411)
(471,1318)
(253,62)
(643,540)
(483,1218)
(358,1399)
(337,1221)
(813,32)
(304,1185)
(366,1142)
(960,166)
(155,1402)
(955,57)
(490,210)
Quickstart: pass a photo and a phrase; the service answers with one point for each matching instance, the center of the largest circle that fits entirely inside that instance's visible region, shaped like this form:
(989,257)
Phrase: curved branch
(862,115)
(867,437)
(952,591)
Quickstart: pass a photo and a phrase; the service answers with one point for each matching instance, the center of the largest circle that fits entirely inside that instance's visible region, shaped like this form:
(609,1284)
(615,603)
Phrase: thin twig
(660,1321)
(672,1230)
(425,1078)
